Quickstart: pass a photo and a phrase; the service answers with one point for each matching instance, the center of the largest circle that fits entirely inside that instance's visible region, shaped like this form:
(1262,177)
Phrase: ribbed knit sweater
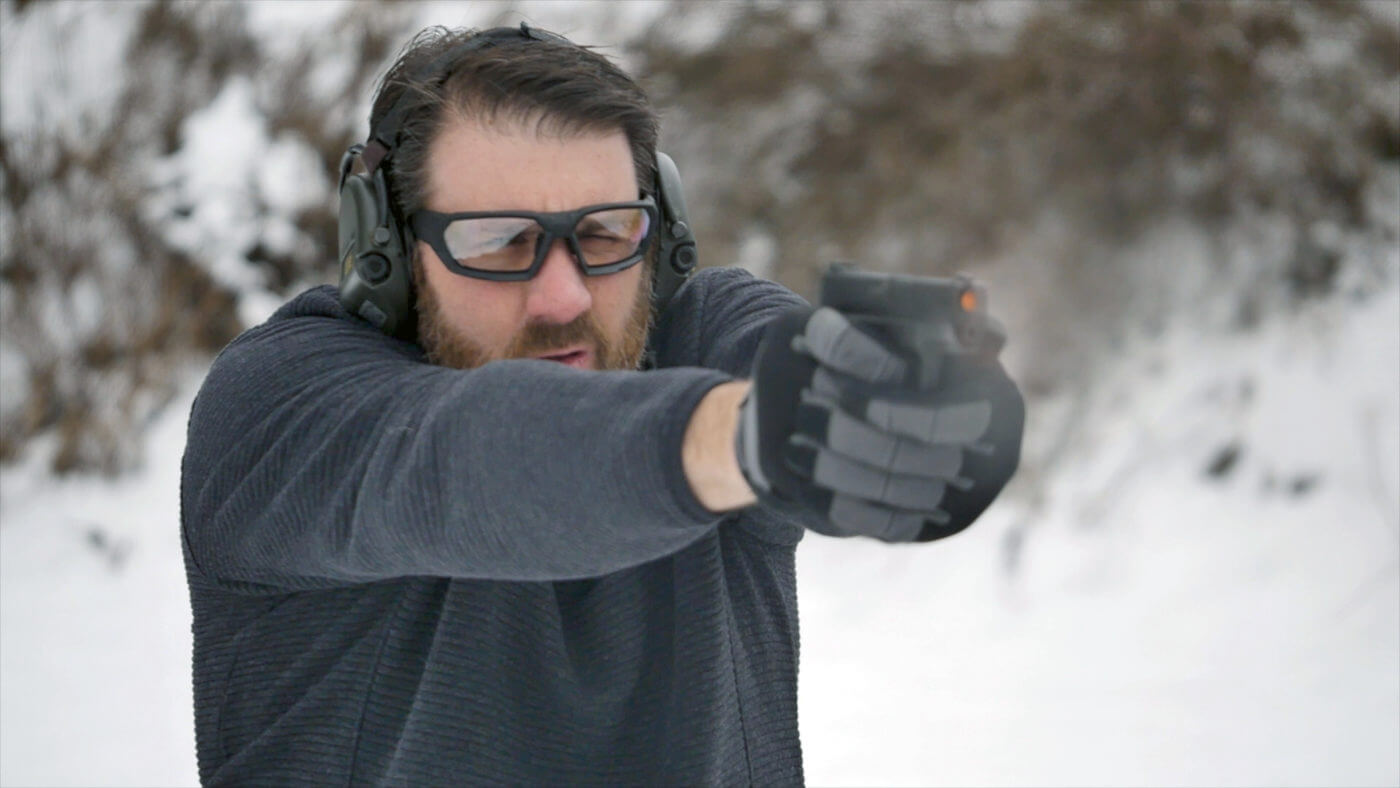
(403,574)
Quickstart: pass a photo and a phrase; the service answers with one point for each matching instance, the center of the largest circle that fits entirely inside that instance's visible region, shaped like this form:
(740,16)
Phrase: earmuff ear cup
(677,257)
(376,282)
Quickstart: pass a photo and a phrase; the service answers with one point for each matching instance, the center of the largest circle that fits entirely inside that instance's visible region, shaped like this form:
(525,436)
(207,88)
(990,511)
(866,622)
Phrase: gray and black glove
(838,432)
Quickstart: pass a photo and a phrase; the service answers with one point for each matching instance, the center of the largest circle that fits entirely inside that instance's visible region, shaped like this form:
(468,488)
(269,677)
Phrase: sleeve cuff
(683,501)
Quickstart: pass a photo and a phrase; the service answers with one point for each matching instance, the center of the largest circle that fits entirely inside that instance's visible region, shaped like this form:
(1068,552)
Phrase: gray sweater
(410,575)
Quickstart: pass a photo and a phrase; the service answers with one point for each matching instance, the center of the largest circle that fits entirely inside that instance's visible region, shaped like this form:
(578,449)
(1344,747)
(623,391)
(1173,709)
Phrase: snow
(224,223)
(95,648)
(756,253)
(65,54)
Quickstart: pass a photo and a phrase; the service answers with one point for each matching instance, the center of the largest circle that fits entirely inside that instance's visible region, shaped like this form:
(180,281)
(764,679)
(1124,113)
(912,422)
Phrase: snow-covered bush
(166,174)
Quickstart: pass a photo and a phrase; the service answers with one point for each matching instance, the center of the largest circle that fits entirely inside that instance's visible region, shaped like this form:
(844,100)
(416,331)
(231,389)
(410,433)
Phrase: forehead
(513,165)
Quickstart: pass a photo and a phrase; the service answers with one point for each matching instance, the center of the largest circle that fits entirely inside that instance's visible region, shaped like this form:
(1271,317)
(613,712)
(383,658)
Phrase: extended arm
(322,453)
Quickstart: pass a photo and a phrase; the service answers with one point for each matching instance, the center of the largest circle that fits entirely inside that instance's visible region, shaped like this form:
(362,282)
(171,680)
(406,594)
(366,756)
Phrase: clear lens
(508,243)
(611,236)
(503,243)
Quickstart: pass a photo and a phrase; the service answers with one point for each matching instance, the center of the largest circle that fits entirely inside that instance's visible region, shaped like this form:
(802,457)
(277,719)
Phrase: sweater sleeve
(322,453)
(719,316)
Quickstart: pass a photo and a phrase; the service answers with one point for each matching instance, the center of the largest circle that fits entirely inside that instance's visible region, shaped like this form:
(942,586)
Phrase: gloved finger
(843,475)
(829,426)
(856,516)
(925,416)
(962,422)
(993,468)
(834,342)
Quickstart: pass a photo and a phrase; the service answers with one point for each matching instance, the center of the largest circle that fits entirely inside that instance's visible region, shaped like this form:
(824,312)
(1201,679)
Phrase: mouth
(579,357)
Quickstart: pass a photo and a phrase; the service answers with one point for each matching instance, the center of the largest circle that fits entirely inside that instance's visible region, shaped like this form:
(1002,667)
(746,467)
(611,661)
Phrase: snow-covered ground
(1165,627)
(95,641)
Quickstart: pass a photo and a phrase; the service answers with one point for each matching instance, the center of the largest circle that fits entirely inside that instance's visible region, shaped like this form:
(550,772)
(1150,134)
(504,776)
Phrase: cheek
(486,312)
(614,296)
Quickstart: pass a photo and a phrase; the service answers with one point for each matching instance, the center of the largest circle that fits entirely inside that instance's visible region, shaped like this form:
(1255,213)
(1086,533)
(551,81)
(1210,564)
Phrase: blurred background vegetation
(1043,147)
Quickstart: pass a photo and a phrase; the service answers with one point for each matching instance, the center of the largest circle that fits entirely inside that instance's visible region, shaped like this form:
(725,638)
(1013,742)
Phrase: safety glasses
(510,246)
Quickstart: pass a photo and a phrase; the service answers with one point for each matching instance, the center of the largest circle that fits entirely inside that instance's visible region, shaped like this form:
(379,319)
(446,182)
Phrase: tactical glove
(838,431)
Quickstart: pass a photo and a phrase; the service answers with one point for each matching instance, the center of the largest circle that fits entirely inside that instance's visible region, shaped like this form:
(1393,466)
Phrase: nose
(558,292)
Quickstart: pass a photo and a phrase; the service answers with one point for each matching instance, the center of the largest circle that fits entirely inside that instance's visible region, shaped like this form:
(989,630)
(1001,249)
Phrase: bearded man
(502,508)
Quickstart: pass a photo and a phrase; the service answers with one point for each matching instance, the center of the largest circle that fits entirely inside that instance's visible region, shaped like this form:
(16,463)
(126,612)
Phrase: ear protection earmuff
(376,279)
(676,256)
(376,245)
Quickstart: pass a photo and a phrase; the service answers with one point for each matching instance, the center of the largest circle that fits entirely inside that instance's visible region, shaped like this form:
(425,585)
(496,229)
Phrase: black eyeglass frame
(431,226)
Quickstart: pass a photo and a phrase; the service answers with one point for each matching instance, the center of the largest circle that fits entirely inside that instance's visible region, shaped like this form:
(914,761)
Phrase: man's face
(589,322)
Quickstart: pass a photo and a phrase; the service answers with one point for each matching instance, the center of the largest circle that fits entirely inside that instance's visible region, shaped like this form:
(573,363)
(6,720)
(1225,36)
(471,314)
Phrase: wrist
(707,451)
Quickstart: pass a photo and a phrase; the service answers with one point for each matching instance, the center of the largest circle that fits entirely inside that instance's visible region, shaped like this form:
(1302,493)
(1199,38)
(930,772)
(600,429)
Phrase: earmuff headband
(384,138)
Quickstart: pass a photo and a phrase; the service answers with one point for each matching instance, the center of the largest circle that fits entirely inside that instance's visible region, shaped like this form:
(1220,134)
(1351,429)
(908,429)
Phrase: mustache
(537,338)
(446,345)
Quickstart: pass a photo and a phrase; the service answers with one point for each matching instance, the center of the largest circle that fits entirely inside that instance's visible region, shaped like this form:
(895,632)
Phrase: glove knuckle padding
(835,343)
(853,516)
(937,416)
(826,424)
(847,476)
(959,422)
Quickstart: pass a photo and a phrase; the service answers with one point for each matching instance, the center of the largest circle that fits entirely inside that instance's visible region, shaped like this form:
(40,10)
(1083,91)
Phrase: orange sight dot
(968,301)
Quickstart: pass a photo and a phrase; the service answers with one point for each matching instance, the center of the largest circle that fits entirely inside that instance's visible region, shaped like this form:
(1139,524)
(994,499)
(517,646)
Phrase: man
(499,552)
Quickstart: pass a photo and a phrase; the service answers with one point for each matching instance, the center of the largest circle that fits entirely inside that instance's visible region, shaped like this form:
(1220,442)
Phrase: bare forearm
(708,450)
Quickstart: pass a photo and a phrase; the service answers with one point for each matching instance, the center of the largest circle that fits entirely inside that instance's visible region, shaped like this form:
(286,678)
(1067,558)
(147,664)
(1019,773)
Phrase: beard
(446,346)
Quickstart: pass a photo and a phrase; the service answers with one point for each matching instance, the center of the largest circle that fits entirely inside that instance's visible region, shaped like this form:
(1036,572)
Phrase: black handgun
(925,318)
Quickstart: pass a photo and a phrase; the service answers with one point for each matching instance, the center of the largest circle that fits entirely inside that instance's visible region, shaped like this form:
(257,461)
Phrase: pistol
(924,318)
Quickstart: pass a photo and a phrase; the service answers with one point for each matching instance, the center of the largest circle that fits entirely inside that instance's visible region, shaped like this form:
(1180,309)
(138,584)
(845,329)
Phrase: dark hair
(560,87)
